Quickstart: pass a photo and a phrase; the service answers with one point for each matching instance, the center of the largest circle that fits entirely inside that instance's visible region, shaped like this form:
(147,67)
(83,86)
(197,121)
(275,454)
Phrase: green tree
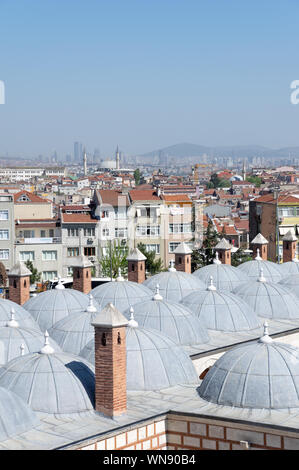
(216,182)
(152,265)
(35,275)
(137,176)
(255,180)
(205,255)
(239,257)
(113,259)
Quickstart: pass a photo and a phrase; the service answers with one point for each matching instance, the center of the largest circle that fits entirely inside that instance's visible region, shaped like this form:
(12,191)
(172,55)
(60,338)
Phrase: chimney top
(110,316)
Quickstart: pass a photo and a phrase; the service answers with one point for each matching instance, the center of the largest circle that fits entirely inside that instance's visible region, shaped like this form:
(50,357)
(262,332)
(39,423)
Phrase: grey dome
(154,361)
(288,268)
(172,319)
(73,332)
(16,416)
(174,284)
(22,316)
(13,338)
(51,306)
(269,300)
(56,383)
(222,311)
(225,277)
(257,375)
(291,282)
(122,294)
(252,270)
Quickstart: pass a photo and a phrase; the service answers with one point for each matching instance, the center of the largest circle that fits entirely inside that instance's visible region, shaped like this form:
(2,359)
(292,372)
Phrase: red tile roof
(144,195)
(112,197)
(33,198)
(77,219)
(176,198)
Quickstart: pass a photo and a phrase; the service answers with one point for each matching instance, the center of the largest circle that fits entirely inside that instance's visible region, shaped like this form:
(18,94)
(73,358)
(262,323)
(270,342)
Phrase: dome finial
(216,260)
(211,285)
(59,284)
(12,322)
(132,322)
(171,267)
(262,278)
(91,307)
(22,348)
(266,338)
(258,257)
(47,349)
(157,295)
(119,277)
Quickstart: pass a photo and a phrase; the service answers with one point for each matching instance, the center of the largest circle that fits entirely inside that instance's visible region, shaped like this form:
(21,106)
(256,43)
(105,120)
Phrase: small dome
(291,282)
(51,382)
(288,268)
(268,299)
(16,417)
(262,374)
(222,311)
(22,316)
(154,361)
(174,284)
(122,294)
(51,306)
(252,270)
(225,277)
(171,319)
(73,332)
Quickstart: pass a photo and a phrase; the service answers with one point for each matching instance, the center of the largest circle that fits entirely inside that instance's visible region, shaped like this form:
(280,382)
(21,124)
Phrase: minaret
(117,158)
(85,163)
(244,170)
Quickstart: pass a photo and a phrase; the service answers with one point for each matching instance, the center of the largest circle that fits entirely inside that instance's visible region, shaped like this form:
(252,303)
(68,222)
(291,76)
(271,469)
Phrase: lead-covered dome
(263,375)
(291,282)
(288,268)
(73,332)
(170,318)
(221,311)
(252,269)
(174,284)
(16,417)
(51,306)
(268,299)
(154,361)
(122,294)
(225,277)
(21,315)
(51,382)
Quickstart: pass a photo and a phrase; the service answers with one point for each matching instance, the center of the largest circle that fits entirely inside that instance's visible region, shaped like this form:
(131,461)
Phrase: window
(27,256)
(69,271)
(105,232)
(51,233)
(121,232)
(286,211)
(89,232)
(72,232)
(23,198)
(153,247)
(28,233)
(148,230)
(49,255)
(49,275)
(4,215)
(4,254)
(73,252)
(105,214)
(180,228)
(89,251)
(4,234)
(173,246)
(43,233)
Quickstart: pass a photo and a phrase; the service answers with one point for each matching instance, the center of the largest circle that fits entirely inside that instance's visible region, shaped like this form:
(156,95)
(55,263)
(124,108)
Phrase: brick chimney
(223,248)
(260,243)
(183,258)
(82,274)
(19,283)
(136,266)
(110,361)
(289,244)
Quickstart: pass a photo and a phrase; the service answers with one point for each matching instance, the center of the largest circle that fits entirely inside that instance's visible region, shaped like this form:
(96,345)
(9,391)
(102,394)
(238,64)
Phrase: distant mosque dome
(122,294)
(51,306)
(51,382)
(170,318)
(262,374)
(21,315)
(154,361)
(252,269)
(268,299)
(221,311)
(173,284)
(225,277)
(108,164)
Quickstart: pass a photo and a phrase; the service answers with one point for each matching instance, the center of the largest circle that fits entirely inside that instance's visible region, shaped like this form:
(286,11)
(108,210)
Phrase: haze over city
(146,75)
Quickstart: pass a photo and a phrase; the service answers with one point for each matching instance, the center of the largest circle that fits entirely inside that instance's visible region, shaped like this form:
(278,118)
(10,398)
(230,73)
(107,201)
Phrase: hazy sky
(146,74)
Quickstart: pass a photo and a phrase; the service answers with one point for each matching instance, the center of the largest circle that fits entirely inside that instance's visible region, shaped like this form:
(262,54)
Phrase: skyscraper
(78,152)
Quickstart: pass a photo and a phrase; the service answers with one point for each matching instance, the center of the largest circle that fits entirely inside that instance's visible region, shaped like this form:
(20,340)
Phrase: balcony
(37,241)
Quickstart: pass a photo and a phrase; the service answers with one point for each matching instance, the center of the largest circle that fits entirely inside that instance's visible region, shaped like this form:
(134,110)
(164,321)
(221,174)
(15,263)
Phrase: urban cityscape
(149,280)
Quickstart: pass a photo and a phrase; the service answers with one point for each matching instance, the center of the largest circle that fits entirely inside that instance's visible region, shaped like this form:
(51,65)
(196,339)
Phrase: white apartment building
(26,174)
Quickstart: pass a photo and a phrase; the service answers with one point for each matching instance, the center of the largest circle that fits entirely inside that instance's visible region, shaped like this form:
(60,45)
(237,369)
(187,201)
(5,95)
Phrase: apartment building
(26,174)
(7,230)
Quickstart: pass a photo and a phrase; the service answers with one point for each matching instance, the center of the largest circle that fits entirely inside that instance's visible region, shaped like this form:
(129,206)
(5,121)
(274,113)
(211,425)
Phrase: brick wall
(19,289)
(136,271)
(82,279)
